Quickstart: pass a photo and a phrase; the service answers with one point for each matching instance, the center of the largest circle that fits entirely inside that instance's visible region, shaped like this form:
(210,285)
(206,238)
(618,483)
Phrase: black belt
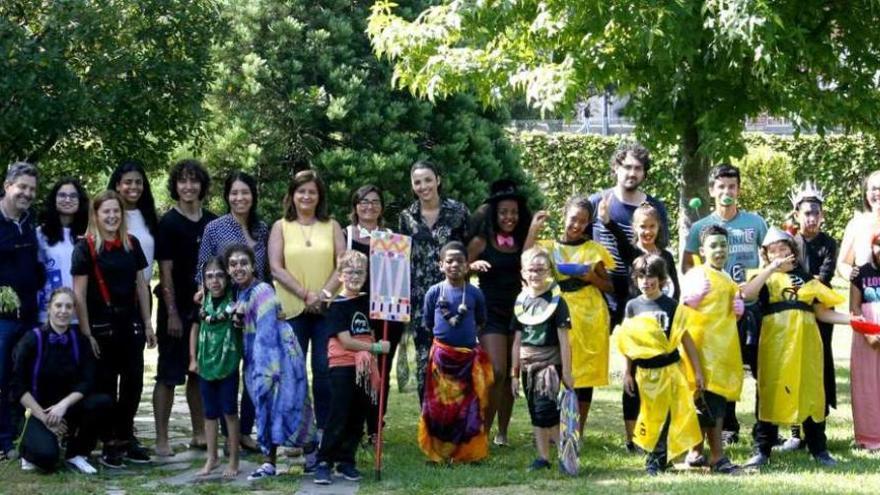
(660,361)
(786,306)
(572,284)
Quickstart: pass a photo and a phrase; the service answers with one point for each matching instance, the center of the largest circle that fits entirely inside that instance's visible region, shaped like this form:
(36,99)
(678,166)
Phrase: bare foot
(210,465)
(231,471)
(163,450)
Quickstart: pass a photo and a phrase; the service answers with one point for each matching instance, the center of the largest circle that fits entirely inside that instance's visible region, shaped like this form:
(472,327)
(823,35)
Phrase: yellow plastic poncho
(717,339)
(790,366)
(590,321)
(664,391)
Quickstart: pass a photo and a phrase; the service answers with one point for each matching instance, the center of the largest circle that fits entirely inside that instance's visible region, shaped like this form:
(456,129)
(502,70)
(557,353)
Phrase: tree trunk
(694,169)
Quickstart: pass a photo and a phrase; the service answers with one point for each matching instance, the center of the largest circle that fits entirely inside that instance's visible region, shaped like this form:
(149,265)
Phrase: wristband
(376,348)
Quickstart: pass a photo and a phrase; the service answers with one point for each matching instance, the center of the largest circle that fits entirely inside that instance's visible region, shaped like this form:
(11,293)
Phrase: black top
(868,283)
(349,315)
(663,309)
(19,267)
(546,333)
(819,256)
(61,371)
(178,241)
(119,268)
(798,277)
(502,283)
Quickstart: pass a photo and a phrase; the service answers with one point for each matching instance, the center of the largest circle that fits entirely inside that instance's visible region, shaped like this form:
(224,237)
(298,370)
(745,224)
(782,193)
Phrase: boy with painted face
(711,291)
(459,373)
(818,257)
(789,365)
(746,231)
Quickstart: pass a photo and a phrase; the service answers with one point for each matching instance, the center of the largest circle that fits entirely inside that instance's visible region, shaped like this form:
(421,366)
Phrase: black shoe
(137,454)
(348,471)
(111,460)
(539,464)
(824,458)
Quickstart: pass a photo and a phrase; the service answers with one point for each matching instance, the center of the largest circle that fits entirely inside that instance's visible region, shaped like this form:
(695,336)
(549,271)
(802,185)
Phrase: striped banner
(389,276)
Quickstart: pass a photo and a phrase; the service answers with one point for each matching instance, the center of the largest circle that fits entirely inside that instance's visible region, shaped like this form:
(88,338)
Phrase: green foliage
(85,83)
(297,85)
(563,164)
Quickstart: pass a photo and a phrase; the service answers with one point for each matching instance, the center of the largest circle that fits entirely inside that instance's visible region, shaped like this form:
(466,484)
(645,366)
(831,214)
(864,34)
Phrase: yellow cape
(717,339)
(664,392)
(590,321)
(790,373)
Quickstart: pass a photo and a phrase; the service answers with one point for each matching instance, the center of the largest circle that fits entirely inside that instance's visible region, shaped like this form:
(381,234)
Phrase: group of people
(242,305)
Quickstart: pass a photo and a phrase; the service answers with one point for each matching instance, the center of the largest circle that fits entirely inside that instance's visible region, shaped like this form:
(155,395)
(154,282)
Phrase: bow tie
(504,240)
(58,338)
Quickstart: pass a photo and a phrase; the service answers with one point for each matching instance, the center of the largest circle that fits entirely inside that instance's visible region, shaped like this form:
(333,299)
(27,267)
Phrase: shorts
(173,364)
(543,410)
(584,394)
(220,397)
(710,408)
(498,321)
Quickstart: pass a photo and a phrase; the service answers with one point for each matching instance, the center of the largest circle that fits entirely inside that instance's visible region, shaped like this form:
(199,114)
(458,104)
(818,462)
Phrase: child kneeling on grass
(354,374)
(459,373)
(649,337)
(541,351)
(215,354)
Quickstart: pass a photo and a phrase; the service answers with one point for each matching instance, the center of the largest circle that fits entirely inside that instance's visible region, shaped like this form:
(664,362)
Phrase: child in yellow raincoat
(790,366)
(649,338)
(580,269)
(711,291)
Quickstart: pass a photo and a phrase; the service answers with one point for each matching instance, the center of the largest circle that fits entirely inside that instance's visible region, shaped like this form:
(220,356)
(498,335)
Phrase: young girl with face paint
(581,271)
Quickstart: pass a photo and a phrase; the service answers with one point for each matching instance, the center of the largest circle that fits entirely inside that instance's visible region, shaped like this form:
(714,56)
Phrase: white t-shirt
(138,228)
(56,260)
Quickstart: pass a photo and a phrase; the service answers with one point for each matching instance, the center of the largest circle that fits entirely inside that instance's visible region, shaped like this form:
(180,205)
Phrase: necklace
(535,309)
(443,304)
(302,230)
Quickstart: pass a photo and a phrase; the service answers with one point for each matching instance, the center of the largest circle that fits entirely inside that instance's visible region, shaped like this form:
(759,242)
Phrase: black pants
(765,435)
(749,329)
(631,403)
(349,404)
(40,446)
(120,375)
(395,331)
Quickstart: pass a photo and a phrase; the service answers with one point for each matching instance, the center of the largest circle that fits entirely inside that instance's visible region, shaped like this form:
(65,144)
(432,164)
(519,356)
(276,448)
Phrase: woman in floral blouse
(432,221)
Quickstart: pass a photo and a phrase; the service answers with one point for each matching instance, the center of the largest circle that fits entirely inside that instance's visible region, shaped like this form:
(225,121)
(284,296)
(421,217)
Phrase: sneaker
(267,470)
(724,466)
(311,464)
(81,465)
(697,461)
(27,466)
(111,460)
(729,437)
(757,460)
(323,476)
(539,464)
(792,444)
(348,471)
(652,469)
(824,458)
(137,454)
(632,448)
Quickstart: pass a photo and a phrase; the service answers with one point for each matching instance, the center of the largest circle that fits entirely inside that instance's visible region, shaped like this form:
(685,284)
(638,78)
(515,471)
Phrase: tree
(298,85)
(694,70)
(85,83)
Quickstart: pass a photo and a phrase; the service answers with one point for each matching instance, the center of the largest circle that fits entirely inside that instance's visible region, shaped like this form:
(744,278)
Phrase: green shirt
(219,345)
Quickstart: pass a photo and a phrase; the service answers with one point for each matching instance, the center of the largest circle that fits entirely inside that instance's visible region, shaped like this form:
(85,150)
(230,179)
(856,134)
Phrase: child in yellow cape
(649,337)
(580,269)
(709,290)
(790,366)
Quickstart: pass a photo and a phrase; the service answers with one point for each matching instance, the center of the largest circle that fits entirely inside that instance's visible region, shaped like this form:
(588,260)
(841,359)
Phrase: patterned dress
(275,372)
(224,232)
(451,225)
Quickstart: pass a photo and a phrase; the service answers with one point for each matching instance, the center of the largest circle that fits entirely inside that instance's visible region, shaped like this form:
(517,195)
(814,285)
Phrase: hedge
(563,164)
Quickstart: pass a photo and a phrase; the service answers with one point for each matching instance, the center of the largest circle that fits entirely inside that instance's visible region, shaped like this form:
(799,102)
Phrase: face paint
(714,251)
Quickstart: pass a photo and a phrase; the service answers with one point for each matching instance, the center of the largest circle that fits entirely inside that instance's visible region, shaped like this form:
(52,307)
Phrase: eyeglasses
(537,271)
(67,196)
(354,273)
(375,203)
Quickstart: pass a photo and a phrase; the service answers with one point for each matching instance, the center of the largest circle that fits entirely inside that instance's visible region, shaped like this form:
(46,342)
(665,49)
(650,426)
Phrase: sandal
(724,466)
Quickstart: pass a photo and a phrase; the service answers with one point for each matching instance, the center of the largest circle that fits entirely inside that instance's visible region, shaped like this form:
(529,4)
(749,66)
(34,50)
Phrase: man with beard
(629,165)
(20,271)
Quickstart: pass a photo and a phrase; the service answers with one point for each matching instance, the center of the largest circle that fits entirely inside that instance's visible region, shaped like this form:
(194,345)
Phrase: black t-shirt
(64,367)
(119,269)
(820,256)
(349,315)
(868,283)
(546,333)
(178,241)
(797,277)
(663,309)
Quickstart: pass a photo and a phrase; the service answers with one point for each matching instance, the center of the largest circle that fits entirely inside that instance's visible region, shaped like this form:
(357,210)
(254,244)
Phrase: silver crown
(804,190)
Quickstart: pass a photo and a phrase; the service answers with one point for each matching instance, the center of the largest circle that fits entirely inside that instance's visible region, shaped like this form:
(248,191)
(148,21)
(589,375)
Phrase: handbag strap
(99,275)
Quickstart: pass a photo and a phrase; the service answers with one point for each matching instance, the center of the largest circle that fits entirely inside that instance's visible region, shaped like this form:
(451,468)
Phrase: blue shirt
(622,214)
(223,232)
(745,233)
(441,305)
(20,266)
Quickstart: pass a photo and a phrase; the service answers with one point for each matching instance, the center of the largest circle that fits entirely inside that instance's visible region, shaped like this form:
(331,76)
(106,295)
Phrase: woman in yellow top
(303,247)
(580,269)
(791,387)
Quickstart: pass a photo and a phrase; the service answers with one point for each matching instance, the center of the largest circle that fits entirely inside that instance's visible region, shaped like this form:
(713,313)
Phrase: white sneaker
(81,465)
(27,466)
(790,445)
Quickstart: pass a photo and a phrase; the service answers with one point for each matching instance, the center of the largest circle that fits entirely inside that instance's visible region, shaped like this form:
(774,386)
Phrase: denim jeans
(11,413)
(310,327)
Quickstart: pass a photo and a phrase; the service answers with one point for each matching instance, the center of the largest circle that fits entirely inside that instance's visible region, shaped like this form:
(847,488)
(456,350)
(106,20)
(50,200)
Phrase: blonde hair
(534,253)
(352,259)
(94,227)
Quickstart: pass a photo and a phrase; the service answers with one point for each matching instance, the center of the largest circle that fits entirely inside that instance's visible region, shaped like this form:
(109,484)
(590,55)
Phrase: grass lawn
(604,462)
